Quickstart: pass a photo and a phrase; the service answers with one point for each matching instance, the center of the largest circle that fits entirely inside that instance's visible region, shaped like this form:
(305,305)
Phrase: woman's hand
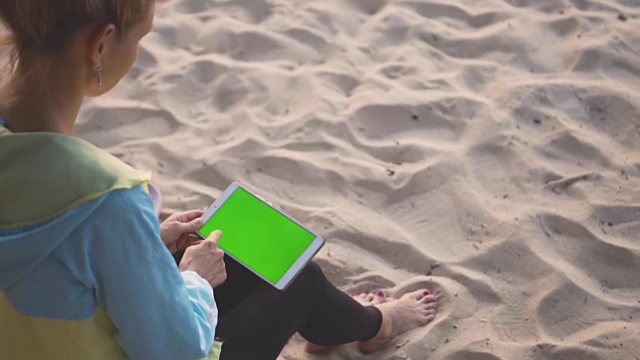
(175,231)
(207,260)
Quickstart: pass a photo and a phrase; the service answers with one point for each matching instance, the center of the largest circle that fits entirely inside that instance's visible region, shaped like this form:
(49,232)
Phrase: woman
(85,269)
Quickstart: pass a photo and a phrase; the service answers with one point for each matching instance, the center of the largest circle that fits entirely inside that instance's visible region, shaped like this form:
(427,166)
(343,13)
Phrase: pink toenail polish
(426,292)
(381,293)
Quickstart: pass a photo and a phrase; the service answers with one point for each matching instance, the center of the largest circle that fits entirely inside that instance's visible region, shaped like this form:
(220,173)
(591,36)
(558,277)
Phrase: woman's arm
(158,312)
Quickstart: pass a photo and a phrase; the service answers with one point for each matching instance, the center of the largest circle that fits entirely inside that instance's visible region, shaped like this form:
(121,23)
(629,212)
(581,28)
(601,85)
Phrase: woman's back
(80,250)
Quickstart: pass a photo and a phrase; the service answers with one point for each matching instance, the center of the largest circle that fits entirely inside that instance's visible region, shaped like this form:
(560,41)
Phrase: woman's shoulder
(114,207)
(58,173)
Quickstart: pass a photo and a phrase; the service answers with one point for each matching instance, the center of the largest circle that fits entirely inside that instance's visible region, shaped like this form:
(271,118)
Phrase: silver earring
(98,70)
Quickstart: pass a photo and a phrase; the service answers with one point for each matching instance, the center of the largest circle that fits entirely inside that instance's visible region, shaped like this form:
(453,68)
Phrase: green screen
(257,235)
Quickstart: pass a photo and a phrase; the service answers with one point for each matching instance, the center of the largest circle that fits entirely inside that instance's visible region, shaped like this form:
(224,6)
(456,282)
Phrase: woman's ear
(98,43)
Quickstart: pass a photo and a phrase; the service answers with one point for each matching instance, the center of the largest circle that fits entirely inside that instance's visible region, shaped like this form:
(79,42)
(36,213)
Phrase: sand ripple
(488,150)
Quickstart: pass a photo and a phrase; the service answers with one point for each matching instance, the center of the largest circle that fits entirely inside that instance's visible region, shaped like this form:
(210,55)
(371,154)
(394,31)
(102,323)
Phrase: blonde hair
(41,27)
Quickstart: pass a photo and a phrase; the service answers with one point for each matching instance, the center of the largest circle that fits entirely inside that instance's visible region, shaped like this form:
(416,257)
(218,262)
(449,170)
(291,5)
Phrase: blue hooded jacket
(97,282)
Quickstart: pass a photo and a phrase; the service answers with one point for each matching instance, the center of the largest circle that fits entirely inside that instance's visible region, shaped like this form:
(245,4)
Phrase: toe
(432,305)
(428,299)
(419,294)
(428,318)
(380,298)
(369,297)
(430,312)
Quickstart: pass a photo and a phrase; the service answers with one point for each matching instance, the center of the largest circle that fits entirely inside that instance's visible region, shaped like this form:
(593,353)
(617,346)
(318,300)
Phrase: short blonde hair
(39,27)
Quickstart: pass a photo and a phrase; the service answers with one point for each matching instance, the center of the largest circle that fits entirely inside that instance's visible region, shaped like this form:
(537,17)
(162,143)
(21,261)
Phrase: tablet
(262,238)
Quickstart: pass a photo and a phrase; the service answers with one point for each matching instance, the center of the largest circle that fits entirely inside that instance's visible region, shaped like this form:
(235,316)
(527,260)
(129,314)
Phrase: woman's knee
(309,278)
(312,272)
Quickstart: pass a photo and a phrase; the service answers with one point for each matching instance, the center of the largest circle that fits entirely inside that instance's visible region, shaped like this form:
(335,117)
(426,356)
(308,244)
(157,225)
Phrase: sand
(488,150)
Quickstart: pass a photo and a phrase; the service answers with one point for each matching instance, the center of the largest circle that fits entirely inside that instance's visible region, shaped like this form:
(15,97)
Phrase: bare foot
(377,298)
(411,311)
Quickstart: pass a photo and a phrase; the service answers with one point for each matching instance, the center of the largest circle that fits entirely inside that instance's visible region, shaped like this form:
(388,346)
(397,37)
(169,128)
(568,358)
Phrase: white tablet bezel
(297,266)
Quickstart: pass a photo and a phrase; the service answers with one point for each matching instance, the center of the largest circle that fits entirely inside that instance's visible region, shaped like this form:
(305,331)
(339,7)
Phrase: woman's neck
(48,101)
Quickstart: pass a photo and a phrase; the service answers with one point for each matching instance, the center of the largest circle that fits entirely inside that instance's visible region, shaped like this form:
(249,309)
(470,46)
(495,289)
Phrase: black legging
(256,321)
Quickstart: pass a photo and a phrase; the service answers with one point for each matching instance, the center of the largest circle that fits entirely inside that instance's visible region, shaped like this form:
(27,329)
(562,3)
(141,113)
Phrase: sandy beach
(488,150)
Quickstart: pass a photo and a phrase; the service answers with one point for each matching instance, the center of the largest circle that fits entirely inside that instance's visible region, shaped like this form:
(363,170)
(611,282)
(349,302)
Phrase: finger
(191,226)
(219,254)
(191,237)
(190,215)
(187,244)
(215,236)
